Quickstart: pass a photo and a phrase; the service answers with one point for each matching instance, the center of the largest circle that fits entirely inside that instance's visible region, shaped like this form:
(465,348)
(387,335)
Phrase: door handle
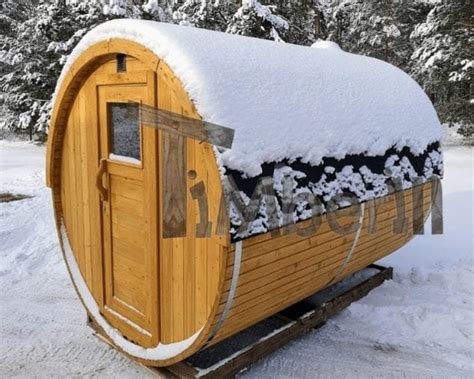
(103,192)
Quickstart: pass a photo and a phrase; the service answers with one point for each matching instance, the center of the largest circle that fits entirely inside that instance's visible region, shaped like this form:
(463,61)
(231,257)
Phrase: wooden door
(127,180)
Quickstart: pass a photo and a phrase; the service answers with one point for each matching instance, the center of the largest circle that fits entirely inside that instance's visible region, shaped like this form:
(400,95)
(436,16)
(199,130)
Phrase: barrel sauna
(138,208)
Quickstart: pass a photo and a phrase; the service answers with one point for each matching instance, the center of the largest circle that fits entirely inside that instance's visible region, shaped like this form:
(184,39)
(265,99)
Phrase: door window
(125,130)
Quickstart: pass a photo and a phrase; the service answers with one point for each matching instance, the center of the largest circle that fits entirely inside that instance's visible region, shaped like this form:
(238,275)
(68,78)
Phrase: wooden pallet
(237,353)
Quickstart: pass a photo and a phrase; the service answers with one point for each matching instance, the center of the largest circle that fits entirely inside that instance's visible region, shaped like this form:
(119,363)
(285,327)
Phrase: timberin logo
(279,215)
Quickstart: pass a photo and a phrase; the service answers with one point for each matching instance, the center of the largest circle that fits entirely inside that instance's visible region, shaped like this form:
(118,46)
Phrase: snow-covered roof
(284,100)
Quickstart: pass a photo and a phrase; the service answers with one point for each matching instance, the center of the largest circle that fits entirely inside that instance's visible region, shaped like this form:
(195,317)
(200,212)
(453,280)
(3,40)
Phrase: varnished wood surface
(117,243)
(276,272)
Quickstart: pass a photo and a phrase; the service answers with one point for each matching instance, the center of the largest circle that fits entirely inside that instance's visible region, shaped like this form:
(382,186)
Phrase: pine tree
(212,15)
(256,20)
(43,42)
(12,14)
(305,18)
(34,54)
(442,61)
(338,21)
(372,28)
(157,11)
(123,8)
(429,39)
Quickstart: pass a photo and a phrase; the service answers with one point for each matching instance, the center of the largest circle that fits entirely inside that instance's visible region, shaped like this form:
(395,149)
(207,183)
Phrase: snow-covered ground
(420,325)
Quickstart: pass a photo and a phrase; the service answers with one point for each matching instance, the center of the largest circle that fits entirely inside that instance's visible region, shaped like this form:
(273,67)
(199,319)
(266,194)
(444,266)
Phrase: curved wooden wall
(190,270)
(277,272)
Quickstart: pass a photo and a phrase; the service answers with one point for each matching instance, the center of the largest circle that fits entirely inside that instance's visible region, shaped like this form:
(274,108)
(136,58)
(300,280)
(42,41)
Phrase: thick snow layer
(283,100)
(418,325)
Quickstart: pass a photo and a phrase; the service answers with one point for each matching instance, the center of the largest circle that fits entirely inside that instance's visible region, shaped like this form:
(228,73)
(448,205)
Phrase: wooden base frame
(293,322)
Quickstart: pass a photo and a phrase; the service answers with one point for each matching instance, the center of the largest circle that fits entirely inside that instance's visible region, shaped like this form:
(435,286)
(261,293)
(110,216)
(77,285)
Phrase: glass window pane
(125,129)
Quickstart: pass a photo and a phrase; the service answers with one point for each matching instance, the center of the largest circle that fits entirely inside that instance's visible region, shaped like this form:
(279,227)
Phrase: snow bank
(283,100)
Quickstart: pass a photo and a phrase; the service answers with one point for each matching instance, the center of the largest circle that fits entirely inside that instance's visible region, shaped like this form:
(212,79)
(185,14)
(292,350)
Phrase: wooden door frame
(149,164)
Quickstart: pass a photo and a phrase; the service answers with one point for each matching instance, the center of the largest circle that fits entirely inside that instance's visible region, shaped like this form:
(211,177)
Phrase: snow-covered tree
(256,20)
(34,52)
(124,8)
(43,42)
(207,14)
(371,28)
(305,19)
(443,62)
(429,39)
(338,21)
(156,10)
(12,13)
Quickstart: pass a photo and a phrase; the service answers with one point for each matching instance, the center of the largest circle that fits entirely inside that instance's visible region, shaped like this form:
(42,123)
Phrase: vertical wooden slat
(166,248)
(92,151)
(189,245)
(79,189)
(105,207)
(151,195)
(214,191)
(65,182)
(72,190)
(179,255)
(201,249)
(82,111)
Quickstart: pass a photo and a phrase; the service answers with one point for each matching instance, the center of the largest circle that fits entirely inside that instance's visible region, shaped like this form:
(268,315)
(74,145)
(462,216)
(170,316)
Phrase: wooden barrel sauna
(118,186)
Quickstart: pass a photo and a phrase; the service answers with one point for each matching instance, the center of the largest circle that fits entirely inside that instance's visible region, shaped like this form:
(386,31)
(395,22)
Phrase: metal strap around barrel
(353,246)
(233,288)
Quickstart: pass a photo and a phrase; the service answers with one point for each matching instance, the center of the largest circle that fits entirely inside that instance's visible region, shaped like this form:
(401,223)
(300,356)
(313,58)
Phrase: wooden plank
(247,284)
(324,267)
(202,248)
(82,106)
(121,170)
(130,251)
(79,198)
(133,208)
(366,256)
(113,78)
(173,151)
(384,244)
(261,280)
(178,289)
(120,216)
(165,247)
(92,150)
(264,311)
(73,193)
(132,236)
(189,311)
(258,275)
(128,188)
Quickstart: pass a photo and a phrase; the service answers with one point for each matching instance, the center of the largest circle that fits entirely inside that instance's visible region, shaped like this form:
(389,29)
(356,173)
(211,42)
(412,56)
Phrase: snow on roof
(284,100)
